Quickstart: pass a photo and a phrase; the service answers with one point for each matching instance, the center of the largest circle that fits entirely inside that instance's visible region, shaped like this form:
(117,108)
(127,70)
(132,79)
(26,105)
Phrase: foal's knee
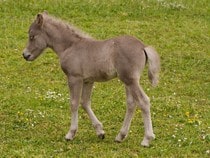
(74,105)
(145,104)
(130,105)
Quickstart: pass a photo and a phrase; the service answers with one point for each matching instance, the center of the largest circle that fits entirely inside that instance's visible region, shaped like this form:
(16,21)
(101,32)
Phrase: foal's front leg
(86,104)
(75,86)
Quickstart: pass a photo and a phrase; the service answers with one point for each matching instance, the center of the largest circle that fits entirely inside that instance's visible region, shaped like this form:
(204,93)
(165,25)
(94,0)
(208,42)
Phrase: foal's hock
(86,60)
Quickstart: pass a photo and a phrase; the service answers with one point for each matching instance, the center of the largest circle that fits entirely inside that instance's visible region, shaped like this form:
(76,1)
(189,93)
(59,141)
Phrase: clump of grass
(172,5)
(28,118)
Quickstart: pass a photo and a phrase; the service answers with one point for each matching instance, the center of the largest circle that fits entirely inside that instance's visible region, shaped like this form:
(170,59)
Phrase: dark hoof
(68,140)
(117,141)
(101,136)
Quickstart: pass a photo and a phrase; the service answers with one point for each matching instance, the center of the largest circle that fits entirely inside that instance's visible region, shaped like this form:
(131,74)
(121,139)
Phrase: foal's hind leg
(128,116)
(86,104)
(143,102)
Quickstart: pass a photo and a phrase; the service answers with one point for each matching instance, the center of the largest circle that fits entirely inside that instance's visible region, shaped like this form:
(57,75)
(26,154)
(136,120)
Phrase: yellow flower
(190,121)
(187,114)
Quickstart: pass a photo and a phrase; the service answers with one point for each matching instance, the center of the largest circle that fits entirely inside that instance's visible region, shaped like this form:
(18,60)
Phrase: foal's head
(37,41)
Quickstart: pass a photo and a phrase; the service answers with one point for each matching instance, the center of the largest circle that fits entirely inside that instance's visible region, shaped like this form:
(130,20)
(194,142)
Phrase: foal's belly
(105,76)
(100,73)
(100,76)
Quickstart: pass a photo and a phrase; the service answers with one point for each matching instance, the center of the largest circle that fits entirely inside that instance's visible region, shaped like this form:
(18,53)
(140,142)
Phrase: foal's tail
(154,64)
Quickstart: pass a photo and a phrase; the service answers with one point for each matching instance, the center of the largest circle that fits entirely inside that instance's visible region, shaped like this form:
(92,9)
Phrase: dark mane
(57,23)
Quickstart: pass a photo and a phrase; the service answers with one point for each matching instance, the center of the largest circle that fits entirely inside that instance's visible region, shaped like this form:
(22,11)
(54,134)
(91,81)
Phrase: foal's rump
(130,58)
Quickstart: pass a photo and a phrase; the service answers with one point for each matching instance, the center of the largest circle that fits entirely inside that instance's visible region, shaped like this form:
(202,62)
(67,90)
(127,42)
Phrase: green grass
(34,105)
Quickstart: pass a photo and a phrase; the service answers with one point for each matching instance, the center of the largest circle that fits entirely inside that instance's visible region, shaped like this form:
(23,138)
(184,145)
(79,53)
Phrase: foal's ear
(39,19)
(45,12)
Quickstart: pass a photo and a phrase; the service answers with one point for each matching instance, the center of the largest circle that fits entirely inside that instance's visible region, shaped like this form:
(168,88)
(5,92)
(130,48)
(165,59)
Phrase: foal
(85,60)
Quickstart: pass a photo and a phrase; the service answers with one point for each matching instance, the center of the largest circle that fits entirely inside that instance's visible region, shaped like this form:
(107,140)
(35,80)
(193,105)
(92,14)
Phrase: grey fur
(86,60)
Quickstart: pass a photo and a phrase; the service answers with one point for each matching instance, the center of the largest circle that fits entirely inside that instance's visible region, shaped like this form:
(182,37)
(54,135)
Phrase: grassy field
(34,104)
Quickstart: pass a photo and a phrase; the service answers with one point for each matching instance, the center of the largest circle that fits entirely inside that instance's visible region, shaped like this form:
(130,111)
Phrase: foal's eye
(31,37)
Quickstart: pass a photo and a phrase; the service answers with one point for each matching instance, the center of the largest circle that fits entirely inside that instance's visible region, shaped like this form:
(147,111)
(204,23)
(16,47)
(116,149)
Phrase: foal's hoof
(118,141)
(101,136)
(146,141)
(67,138)
(120,137)
(145,144)
(70,135)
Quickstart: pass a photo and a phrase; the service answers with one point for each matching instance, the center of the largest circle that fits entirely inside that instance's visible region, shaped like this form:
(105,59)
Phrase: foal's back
(102,60)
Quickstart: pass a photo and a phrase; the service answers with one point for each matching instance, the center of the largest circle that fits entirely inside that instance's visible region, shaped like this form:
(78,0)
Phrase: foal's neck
(60,40)
(62,36)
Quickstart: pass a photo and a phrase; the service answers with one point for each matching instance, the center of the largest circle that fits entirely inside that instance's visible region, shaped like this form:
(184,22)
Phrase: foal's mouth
(27,55)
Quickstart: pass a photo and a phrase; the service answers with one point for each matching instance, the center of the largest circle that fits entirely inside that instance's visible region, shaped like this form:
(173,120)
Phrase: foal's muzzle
(26,56)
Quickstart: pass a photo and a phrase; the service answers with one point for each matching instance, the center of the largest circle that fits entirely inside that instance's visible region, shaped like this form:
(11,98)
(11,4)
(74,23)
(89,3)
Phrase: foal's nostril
(26,56)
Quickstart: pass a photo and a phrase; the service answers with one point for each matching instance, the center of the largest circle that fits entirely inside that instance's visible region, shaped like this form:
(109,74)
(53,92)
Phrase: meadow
(34,97)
